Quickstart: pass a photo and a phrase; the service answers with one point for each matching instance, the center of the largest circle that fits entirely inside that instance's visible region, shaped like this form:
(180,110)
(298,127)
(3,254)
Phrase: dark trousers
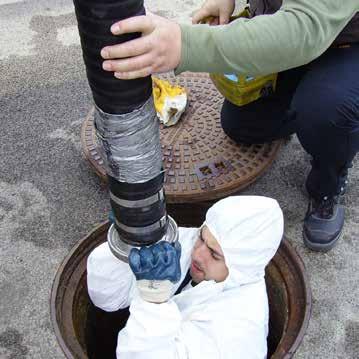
(320,103)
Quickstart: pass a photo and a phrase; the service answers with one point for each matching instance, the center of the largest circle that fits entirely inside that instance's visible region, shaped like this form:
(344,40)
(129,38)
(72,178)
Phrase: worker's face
(207,259)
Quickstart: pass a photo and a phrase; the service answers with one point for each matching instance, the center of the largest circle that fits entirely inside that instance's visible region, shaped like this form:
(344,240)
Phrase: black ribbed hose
(94,19)
(115,96)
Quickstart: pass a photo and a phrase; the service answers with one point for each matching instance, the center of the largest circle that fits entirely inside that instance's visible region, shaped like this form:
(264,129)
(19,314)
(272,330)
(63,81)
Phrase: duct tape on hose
(130,143)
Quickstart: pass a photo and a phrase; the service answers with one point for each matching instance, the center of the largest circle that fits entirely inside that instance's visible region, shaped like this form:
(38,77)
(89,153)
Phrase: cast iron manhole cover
(201,162)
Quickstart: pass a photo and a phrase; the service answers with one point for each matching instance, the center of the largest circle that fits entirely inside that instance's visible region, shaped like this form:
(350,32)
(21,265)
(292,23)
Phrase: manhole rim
(99,230)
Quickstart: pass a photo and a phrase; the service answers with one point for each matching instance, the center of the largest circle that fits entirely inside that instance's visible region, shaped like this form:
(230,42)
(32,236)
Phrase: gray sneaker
(323,223)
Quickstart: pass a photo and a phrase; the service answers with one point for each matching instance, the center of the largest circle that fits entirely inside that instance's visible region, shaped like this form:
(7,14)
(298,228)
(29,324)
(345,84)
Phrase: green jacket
(286,36)
(349,34)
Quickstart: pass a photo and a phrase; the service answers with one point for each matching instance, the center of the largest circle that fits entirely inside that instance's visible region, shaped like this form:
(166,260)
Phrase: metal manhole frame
(72,271)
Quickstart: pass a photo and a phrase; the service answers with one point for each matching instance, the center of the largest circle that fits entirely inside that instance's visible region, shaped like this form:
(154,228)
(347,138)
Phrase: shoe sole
(319,247)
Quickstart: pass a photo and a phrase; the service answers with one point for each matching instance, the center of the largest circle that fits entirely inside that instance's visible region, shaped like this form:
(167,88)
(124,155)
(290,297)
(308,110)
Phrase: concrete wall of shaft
(126,124)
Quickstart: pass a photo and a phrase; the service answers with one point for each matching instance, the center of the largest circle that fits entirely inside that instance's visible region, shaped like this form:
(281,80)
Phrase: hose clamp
(141,203)
(121,250)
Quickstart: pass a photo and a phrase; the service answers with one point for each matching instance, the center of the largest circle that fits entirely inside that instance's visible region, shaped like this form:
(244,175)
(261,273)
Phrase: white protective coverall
(211,320)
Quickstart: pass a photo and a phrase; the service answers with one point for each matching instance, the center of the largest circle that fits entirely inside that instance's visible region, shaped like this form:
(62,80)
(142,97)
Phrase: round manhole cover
(201,162)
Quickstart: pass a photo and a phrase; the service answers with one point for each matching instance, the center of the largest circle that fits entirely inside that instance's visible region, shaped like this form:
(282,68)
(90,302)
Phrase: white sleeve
(110,281)
(158,331)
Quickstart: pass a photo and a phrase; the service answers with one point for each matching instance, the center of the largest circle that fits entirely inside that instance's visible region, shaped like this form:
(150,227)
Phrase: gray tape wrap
(130,143)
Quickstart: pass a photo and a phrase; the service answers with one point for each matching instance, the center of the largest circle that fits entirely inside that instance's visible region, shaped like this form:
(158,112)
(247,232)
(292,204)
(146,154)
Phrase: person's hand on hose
(157,268)
(217,11)
(157,50)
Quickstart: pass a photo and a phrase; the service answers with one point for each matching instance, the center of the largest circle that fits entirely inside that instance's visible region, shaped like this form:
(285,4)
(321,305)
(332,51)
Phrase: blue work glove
(157,268)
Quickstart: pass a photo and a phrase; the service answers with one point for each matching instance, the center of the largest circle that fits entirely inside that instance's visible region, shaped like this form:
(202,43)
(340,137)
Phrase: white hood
(249,230)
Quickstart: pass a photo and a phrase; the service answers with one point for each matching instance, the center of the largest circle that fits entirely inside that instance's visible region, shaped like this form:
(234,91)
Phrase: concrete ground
(50,198)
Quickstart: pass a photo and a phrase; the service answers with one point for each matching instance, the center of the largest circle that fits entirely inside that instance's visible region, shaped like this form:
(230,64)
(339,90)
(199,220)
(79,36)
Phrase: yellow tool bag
(242,89)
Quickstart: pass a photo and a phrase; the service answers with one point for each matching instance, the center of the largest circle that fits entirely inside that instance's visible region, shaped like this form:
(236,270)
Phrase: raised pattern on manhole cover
(201,162)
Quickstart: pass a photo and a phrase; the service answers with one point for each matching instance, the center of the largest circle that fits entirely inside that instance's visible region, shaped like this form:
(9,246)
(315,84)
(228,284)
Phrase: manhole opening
(97,330)
(84,331)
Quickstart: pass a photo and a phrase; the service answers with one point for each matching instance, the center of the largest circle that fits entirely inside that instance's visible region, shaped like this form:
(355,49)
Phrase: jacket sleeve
(295,35)
(110,281)
(158,331)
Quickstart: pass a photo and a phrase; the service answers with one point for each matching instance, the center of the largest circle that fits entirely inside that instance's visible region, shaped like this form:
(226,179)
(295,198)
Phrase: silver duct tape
(130,143)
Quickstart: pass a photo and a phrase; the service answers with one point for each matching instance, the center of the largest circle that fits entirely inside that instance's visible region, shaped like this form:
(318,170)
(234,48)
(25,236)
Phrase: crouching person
(207,297)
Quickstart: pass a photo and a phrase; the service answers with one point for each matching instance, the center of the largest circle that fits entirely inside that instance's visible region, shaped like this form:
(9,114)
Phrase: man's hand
(218,10)
(156,269)
(157,50)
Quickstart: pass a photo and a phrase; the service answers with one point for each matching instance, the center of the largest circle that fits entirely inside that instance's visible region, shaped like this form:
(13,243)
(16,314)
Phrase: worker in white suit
(222,312)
